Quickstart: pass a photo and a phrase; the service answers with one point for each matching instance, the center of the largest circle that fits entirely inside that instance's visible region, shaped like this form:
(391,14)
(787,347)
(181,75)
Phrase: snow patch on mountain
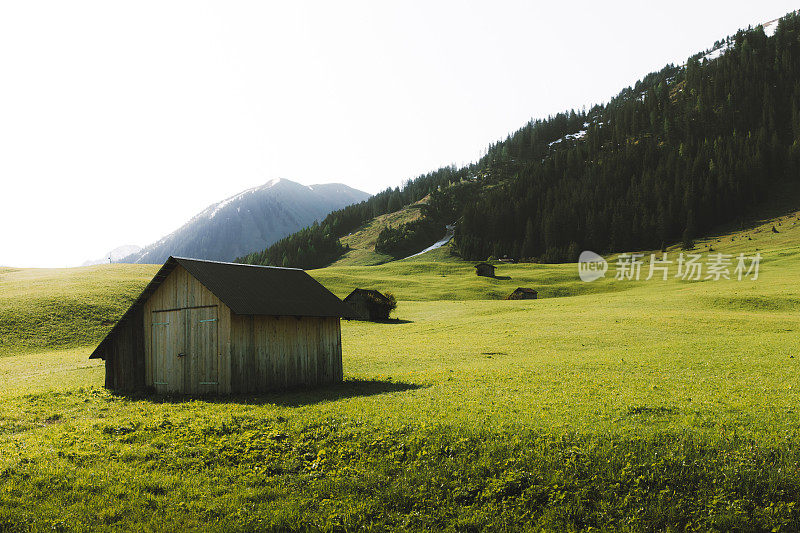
(716,52)
(212,210)
(574,136)
(450,231)
(770,27)
(720,48)
(569,137)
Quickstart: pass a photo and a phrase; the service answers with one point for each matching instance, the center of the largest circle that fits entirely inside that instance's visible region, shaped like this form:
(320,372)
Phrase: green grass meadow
(608,406)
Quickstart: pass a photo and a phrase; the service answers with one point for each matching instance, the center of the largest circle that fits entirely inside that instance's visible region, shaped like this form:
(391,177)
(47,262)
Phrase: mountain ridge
(249,220)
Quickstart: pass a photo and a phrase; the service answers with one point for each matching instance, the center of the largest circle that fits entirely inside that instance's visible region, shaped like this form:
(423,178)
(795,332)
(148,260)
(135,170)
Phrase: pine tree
(529,243)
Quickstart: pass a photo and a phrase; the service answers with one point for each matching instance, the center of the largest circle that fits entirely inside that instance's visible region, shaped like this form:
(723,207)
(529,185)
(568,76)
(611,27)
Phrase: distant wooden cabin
(369,304)
(484,269)
(204,327)
(523,293)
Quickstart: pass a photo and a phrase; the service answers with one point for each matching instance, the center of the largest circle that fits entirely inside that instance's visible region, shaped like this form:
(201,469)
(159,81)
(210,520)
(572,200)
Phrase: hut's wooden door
(168,346)
(201,370)
(185,350)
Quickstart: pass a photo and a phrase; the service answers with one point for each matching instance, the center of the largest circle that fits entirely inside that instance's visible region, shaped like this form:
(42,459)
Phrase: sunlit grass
(610,405)
(362,241)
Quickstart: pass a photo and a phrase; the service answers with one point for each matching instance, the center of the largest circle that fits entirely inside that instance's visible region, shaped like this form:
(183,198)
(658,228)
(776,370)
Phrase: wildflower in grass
(752,269)
(718,266)
(661,265)
(689,267)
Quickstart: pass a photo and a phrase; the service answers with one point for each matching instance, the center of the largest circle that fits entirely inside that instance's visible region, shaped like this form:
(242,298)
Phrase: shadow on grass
(293,397)
(386,321)
(783,203)
(502,278)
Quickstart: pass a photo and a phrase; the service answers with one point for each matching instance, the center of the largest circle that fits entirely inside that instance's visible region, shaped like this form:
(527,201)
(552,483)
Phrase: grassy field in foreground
(651,405)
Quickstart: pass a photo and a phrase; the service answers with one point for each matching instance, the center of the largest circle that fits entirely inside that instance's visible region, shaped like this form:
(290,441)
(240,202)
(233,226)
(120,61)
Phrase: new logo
(591,266)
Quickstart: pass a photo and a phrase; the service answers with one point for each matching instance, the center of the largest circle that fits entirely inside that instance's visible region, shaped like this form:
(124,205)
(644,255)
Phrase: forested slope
(684,150)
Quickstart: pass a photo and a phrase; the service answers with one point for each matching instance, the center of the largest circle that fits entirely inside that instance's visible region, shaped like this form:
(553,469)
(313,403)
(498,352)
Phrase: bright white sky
(121,120)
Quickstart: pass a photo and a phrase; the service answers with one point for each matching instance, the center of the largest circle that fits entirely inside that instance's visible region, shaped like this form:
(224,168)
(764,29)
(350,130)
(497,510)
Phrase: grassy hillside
(58,308)
(362,241)
(438,275)
(665,405)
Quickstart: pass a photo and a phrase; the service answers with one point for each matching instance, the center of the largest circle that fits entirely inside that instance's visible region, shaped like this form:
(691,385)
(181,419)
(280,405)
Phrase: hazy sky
(121,120)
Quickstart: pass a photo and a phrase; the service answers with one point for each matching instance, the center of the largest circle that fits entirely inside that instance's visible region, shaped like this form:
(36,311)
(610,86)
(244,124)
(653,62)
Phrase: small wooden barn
(369,304)
(205,327)
(523,293)
(484,269)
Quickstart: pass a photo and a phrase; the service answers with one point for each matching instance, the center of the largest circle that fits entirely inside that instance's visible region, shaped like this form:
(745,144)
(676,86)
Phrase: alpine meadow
(633,402)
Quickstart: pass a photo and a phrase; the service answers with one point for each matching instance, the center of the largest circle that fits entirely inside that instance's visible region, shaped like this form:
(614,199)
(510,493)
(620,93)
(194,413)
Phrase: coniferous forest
(684,150)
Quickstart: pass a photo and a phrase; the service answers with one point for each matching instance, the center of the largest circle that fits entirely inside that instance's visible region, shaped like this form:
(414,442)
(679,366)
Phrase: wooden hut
(205,327)
(484,269)
(523,293)
(369,304)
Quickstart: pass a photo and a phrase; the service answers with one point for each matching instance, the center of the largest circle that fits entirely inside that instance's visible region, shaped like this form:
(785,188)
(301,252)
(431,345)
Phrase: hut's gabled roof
(263,290)
(525,290)
(250,290)
(484,264)
(367,292)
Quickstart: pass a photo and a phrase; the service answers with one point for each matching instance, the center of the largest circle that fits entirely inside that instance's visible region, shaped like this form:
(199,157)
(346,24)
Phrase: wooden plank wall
(254,353)
(180,290)
(359,305)
(272,353)
(124,355)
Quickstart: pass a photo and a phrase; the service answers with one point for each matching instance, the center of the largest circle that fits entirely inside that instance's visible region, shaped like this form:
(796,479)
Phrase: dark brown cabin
(523,293)
(484,269)
(205,327)
(369,304)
